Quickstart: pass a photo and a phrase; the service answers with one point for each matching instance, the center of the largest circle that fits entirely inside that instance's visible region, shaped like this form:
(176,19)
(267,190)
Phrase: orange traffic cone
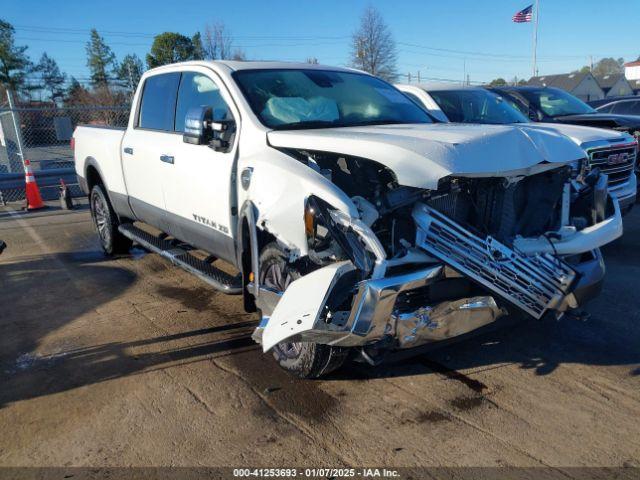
(34,200)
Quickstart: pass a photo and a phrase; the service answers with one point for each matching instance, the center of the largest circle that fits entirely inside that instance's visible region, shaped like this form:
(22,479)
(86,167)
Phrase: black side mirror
(201,129)
(533,115)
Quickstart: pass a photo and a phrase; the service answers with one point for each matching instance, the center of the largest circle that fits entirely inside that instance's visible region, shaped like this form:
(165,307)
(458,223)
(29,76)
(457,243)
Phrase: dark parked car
(627,106)
(548,104)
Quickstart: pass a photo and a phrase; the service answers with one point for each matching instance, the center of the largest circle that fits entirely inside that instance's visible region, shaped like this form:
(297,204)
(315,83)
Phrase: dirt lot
(130,361)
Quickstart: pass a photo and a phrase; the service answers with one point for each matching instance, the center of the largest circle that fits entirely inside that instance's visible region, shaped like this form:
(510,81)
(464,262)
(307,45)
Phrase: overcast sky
(438,38)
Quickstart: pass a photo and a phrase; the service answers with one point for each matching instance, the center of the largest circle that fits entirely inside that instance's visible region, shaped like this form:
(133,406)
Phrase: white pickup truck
(358,224)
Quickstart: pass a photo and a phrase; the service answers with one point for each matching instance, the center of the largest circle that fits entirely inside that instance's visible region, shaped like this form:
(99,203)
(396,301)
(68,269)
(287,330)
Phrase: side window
(158,103)
(606,109)
(198,90)
(622,108)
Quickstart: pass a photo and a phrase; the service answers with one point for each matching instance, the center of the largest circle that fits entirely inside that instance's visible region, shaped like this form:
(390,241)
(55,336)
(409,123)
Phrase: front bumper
(626,194)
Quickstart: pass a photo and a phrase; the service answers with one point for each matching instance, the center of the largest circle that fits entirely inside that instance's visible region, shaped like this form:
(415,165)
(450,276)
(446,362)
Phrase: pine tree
(130,71)
(100,59)
(52,78)
(14,62)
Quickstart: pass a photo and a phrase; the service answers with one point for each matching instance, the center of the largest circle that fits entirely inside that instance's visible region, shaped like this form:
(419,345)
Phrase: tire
(106,222)
(302,359)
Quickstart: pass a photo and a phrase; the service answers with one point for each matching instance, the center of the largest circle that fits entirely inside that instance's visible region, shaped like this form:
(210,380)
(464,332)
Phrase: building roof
(565,81)
(633,64)
(607,82)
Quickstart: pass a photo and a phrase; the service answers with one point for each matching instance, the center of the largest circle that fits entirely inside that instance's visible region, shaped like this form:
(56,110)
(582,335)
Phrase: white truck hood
(582,135)
(420,155)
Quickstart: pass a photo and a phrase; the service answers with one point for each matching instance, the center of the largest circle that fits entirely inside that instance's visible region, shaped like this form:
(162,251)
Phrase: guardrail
(12,185)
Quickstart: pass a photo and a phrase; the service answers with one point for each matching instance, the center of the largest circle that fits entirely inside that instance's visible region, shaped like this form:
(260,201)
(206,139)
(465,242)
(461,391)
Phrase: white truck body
(365,211)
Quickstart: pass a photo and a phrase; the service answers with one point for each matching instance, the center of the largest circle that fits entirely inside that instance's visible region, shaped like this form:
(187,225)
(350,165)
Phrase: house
(635,86)
(632,70)
(614,85)
(582,85)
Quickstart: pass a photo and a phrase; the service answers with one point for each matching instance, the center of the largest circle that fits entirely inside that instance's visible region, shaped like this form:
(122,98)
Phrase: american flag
(524,16)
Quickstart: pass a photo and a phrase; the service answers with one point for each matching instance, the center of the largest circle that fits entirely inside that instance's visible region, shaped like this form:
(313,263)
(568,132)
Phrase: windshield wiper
(307,124)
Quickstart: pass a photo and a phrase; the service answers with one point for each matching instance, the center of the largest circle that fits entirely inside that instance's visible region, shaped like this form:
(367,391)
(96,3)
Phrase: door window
(197,90)
(158,103)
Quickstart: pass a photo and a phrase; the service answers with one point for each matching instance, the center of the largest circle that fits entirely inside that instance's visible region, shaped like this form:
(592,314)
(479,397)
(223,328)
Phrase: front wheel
(302,359)
(106,223)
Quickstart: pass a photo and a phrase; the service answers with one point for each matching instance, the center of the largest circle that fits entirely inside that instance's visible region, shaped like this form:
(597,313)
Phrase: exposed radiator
(534,283)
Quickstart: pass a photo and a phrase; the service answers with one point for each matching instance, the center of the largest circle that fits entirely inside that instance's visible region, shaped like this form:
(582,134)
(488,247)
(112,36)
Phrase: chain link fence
(42,134)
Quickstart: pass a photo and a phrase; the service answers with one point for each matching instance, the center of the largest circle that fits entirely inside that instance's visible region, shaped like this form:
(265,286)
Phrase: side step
(206,272)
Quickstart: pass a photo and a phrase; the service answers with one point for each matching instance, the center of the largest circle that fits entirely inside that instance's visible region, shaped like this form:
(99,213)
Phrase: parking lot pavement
(130,361)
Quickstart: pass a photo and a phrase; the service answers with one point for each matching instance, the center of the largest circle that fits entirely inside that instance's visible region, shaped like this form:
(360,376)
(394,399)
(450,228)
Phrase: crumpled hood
(421,154)
(582,135)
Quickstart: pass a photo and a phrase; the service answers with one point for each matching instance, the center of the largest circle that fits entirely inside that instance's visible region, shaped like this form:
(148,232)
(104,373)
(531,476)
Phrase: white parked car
(355,223)
(609,150)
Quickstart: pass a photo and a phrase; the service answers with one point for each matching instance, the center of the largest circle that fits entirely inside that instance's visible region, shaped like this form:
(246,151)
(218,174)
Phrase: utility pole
(131,86)
(591,63)
(536,13)
(464,70)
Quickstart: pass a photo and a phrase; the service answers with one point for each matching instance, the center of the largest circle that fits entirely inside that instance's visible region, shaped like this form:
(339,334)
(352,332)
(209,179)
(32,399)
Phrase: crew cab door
(199,187)
(149,136)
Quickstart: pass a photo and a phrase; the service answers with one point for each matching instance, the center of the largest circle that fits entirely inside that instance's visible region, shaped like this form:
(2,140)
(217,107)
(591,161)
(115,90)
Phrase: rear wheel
(302,359)
(106,223)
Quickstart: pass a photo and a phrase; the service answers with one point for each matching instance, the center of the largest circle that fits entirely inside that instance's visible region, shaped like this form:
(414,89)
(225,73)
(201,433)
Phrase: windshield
(556,103)
(296,99)
(476,106)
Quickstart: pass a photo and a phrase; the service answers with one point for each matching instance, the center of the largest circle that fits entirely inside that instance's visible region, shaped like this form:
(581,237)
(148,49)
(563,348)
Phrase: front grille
(534,283)
(616,162)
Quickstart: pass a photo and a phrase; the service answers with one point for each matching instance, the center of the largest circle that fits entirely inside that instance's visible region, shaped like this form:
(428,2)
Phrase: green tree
(498,82)
(130,71)
(100,59)
(14,62)
(52,78)
(198,48)
(169,47)
(373,48)
(608,66)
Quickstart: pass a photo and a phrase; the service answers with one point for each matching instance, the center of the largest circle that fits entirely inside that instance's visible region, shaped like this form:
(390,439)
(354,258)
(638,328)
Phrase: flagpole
(535,38)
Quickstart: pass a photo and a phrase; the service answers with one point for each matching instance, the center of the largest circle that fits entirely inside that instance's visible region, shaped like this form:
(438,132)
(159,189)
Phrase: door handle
(128,150)
(166,159)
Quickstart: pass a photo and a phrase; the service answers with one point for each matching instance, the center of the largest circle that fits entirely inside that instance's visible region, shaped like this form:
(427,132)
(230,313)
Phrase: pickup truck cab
(608,150)
(356,223)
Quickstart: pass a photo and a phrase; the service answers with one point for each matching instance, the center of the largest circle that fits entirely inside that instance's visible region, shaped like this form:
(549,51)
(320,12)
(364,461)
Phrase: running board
(206,272)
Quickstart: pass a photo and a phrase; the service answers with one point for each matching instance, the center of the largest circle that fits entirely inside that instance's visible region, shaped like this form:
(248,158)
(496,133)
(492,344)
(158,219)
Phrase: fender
(119,202)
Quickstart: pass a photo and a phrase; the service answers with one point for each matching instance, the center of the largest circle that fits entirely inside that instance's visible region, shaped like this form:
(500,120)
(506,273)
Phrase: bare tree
(373,47)
(217,42)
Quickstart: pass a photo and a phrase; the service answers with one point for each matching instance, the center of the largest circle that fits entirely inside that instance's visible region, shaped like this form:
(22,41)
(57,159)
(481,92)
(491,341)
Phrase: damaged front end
(422,266)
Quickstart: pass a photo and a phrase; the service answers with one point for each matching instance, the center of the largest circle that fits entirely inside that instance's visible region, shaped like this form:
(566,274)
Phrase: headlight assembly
(354,237)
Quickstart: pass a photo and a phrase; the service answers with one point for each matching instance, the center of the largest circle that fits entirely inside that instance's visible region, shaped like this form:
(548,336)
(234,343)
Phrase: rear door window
(158,105)
(198,90)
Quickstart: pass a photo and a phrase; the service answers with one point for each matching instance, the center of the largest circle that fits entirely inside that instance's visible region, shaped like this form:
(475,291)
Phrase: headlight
(355,238)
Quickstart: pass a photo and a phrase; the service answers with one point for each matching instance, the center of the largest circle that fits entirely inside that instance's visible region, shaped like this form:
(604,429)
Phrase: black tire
(302,359)
(106,222)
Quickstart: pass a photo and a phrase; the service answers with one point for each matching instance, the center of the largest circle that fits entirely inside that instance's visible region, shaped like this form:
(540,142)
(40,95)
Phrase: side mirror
(533,115)
(201,129)
(197,130)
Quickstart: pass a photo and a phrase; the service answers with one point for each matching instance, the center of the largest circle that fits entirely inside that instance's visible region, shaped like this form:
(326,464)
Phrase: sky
(443,40)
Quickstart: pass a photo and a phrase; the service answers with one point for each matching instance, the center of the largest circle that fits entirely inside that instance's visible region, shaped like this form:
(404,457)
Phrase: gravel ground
(133,362)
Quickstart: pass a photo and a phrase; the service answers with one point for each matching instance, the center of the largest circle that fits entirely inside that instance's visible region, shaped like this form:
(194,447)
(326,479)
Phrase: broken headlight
(323,223)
